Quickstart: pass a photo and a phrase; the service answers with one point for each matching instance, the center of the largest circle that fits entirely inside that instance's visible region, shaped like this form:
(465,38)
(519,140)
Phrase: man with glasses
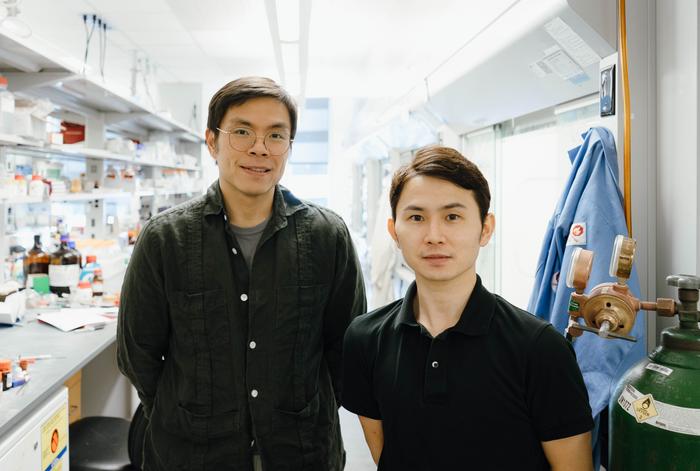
(235,304)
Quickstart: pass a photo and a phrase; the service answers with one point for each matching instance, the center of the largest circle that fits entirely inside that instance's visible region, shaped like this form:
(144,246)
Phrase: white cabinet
(40,441)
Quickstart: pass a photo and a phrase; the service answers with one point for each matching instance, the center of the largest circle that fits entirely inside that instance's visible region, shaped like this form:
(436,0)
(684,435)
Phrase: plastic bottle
(88,271)
(6,371)
(83,295)
(16,264)
(36,187)
(20,185)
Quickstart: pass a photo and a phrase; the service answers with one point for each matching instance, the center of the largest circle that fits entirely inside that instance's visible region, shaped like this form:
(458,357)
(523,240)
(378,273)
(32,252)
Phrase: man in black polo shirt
(453,377)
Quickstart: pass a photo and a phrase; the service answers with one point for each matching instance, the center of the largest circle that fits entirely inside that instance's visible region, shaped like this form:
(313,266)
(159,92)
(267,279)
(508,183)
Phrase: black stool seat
(100,444)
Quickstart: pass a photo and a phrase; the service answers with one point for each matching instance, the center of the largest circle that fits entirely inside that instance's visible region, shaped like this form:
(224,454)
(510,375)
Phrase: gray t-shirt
(248,238)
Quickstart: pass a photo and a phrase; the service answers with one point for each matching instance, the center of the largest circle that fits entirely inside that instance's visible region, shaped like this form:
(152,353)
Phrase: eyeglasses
(242,139)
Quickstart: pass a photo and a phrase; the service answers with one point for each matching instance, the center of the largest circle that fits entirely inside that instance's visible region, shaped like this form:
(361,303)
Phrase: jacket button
(252,344)
(435,364)
(244,297)
(235,252)
(254,393)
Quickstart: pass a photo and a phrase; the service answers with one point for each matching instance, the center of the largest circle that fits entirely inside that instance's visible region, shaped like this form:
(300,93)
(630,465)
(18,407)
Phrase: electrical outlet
(607,91)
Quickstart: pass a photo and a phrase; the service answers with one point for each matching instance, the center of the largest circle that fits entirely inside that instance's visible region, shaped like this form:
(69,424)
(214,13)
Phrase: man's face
(253,172)
(439,230)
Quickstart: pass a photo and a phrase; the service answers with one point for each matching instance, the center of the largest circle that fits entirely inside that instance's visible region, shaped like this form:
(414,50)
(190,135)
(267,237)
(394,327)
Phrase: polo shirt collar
(475,319)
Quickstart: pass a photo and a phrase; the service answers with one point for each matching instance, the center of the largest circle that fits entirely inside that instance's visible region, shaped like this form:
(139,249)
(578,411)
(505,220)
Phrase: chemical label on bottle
(683,420)
(659,369)
(64,275)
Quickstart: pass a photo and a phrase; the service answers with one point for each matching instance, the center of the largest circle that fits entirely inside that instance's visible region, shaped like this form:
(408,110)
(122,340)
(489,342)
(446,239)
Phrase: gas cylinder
(655,408)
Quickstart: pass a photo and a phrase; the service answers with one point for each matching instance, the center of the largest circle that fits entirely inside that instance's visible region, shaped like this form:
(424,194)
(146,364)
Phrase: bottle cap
(84,284)
(36,177)
(91,259)
(19,176)
(64,237)
(5,364)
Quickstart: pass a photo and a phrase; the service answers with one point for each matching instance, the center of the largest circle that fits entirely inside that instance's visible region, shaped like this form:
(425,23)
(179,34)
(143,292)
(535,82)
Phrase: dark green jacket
(189,316)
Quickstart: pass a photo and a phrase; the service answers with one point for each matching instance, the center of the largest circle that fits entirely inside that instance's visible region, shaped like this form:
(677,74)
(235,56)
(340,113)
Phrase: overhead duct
(537,54)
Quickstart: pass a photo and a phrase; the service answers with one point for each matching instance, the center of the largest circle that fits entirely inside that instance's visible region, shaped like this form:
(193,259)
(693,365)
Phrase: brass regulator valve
(609,309)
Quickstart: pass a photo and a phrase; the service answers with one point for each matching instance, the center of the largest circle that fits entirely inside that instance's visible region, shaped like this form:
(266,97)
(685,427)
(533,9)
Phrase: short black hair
(444,163)
(243,89)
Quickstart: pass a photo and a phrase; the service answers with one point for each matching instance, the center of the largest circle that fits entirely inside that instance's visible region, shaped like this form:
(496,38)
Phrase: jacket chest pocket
(299,309)
(199,320)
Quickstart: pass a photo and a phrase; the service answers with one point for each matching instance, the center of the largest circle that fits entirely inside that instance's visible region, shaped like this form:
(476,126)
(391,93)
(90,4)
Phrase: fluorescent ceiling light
(293,84)
(288,19)
(290,59)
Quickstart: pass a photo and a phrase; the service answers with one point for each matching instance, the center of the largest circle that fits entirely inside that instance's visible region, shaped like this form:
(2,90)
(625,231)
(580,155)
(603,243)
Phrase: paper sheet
(71,319)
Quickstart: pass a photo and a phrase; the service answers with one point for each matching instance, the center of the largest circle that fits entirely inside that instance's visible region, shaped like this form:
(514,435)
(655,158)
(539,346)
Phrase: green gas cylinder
(655,409)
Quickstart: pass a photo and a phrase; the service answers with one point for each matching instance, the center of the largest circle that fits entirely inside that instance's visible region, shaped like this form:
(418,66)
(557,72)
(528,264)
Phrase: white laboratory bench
(23,409)
(71,352)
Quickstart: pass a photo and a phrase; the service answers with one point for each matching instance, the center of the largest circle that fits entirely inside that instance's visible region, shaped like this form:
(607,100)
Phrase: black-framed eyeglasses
(242,139)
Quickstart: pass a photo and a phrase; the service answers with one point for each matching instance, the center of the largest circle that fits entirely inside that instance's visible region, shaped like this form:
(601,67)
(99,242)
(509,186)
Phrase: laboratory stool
(107,443)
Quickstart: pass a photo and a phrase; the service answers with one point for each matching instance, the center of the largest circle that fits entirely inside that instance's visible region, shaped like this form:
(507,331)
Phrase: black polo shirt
(481,395)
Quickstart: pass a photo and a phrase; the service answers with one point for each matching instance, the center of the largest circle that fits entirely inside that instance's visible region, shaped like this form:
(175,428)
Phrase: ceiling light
(290,58)
(288,19)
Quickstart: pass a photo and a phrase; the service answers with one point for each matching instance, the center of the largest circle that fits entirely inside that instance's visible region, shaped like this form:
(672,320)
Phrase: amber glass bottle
(37,261)
(64,268)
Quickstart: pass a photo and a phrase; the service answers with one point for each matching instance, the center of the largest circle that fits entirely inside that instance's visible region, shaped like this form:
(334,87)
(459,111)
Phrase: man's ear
(487,229)
(391,227)
(210,138)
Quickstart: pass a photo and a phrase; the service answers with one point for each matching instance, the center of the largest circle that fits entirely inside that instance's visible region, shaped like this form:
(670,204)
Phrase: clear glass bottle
(64,268)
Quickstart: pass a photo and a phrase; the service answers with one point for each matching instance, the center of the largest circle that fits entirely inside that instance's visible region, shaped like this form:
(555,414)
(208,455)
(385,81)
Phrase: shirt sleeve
(346,301)
(556,394)
(358,396)
(143,325)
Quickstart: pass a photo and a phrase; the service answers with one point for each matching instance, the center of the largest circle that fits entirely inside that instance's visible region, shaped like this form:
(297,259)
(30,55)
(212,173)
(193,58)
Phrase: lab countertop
(70,351)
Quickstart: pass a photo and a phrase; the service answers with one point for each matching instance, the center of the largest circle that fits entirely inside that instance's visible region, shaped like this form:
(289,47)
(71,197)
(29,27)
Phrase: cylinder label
(645,409)
(659,369)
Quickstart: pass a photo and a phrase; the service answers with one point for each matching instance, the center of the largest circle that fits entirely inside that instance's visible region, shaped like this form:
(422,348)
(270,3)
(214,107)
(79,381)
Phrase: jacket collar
(475,319)
(284,204)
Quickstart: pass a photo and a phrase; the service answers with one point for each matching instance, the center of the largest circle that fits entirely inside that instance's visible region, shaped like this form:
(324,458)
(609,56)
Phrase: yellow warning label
(54,440)
(644,408)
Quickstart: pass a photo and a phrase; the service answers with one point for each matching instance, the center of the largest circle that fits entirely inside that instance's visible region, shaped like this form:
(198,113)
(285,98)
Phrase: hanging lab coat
(589,215)
(383,257)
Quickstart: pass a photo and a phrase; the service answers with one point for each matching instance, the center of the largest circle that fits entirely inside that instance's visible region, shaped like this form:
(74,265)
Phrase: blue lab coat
(592,202)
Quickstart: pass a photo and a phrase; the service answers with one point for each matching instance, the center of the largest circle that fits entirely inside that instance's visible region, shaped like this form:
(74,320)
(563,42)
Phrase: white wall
(677,141)
(642,47)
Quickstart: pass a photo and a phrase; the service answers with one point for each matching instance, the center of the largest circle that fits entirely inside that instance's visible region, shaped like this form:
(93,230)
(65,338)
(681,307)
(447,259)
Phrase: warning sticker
(644,408)
(659,414)
(664,370)
(577,234)
(54,440)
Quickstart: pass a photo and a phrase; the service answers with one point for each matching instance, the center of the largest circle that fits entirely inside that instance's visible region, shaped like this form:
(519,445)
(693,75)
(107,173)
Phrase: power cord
(88,37)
